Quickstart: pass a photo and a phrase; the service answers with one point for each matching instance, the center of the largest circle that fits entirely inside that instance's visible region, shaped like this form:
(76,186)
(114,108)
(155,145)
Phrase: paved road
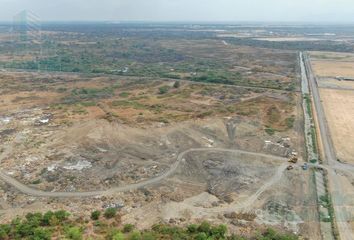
(329,158)
(38,193)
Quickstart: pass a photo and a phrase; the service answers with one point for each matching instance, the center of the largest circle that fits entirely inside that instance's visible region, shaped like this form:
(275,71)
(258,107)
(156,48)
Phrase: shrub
(118,236)
(193,228)
(61,215)
(201,236)
(110,213)
(3,234)
(35,219)
(35,182)
(41,234)
(112,233)
(74,233)
(95,215)
(177,84)
(270,131)
(148,236)
(134,236)
(163,90)
(128,228)
(124,94)
(47,217)
(290,122)
(219,231)
(23,230)
(204,227)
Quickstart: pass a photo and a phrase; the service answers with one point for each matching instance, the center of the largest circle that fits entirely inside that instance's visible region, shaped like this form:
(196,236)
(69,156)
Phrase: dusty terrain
(166,127)
(76,133)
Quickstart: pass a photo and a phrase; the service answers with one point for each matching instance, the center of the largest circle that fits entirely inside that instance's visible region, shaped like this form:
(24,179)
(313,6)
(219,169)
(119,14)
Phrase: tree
(95,215)
(110,213)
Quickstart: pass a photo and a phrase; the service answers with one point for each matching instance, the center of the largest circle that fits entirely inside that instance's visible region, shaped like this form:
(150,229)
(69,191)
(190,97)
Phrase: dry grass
(333,68)
(339,108)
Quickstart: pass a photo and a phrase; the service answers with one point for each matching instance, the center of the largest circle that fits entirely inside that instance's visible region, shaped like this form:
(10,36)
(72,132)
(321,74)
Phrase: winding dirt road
(38,193)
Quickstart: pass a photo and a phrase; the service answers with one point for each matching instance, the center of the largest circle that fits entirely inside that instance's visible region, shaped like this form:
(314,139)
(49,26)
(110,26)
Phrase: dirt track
(34,192)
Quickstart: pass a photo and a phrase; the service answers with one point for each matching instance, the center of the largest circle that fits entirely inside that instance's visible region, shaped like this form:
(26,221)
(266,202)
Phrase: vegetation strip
(61,225)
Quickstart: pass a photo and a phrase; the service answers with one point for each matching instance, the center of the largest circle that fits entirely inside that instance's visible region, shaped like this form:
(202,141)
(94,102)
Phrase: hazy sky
(184,10)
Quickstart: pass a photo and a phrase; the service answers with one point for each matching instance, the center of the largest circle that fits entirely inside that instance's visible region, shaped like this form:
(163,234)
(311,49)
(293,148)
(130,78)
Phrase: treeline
(294,45)
(59,225)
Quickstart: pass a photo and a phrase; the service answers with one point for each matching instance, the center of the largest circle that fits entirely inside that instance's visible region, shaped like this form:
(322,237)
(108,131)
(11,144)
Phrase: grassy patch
(290,122)
(129,104)
(124,94)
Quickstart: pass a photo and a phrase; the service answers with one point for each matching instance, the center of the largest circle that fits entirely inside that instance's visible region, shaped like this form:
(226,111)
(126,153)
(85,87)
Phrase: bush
(35,219)
(219,231)
(47,218)
(61,215)
(95,215)
(3,234)
(193,228)
(110,213)
(134,236)
(41,234)
(148,236)
(128,228)
(163,90)
(124,94)
(270,131)
(74,233)
(204,227)
(201,236)
(177,84)
(272,234)
(118,236)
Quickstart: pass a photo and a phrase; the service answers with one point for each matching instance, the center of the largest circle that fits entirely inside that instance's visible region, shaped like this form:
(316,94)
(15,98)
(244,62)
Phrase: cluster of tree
(58,225)
(215,78)
(294,45)
(35,226)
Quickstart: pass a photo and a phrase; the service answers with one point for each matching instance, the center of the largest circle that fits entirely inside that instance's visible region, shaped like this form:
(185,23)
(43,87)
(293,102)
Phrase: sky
(183,10)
